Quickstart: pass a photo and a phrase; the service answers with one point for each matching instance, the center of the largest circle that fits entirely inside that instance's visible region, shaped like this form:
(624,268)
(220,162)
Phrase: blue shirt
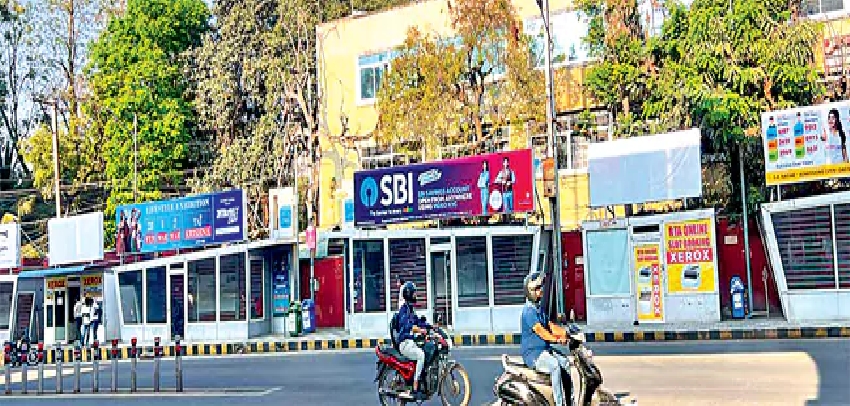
(531,344)
(406,320)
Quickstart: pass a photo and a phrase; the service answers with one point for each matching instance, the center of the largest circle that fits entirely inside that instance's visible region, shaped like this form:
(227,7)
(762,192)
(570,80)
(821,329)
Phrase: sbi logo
(395,189)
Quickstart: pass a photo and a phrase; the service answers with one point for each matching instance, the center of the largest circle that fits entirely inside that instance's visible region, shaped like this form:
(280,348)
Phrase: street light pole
(554,148)
(56,177)
(135,161)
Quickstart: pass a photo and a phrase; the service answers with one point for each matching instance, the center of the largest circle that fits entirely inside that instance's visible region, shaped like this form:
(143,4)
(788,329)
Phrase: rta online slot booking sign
(806,143)
(689,251)
(482,185)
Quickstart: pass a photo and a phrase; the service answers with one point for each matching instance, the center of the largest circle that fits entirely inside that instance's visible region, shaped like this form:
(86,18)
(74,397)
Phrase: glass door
(177,290)
(441,286)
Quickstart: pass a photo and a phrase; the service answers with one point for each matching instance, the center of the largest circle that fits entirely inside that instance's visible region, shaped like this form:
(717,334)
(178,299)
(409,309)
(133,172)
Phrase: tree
(712,67)
(136,73)
(444,91)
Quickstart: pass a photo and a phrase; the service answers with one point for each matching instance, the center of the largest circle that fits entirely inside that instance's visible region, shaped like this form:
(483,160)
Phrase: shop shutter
(407,263)
(842,244)
(806,247)
(511,263)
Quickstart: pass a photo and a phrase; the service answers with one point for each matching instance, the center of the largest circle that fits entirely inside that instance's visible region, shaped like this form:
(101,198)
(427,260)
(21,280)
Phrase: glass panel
(257,288)
(201,290)
(442,286)
(232,282)
(177,304)
(367,83)
(511,263)
(407,264)
(156,295)
(473,283)
(369,277)
(6,290)
(829,6)
(805,245)
(609,264)
(130,285)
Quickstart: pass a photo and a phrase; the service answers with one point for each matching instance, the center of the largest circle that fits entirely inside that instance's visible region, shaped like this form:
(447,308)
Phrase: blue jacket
(406,320)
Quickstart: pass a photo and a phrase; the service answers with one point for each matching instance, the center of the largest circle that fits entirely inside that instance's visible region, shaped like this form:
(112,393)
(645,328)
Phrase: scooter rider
(538,334)
(409,326)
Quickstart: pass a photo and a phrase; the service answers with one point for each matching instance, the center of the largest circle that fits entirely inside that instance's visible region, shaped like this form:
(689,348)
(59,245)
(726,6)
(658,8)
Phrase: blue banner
(188,222)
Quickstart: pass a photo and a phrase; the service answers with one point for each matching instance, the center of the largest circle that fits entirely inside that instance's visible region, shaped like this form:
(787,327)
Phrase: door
(72,333)
(573,274)
(441,287)
(178,300)
(330,292)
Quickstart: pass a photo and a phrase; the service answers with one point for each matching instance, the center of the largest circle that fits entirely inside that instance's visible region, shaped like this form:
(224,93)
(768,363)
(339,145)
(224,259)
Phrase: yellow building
(353,53)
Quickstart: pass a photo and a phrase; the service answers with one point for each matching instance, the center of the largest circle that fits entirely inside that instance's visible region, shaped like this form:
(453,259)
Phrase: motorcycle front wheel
(390,381)
(455,384)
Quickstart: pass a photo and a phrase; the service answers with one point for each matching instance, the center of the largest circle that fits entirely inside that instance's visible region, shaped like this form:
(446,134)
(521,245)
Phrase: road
(787,372)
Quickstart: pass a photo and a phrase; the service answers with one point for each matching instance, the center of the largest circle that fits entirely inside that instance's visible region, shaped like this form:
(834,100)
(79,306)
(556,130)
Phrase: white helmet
(533,281)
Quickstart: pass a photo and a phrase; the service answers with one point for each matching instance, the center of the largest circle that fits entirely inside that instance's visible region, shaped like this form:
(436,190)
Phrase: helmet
(532,281)
(408,292)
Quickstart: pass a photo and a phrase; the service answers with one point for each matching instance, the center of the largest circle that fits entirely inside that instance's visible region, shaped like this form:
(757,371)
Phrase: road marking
(240,392)
(49,372)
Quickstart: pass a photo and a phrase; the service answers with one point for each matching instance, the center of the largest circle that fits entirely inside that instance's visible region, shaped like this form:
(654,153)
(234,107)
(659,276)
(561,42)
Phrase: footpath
(337,339)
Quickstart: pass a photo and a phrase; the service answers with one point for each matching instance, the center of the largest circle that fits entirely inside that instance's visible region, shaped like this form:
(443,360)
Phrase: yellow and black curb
(464,340)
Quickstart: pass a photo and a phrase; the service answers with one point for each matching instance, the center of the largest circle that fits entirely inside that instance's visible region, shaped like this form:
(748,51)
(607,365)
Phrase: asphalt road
(788,372)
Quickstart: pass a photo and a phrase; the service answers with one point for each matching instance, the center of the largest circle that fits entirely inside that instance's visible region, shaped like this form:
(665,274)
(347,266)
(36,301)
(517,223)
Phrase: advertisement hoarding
(690,256)
(75,239)
(187,222)
(650,291)
(482,185)
(806,143)
(10,245)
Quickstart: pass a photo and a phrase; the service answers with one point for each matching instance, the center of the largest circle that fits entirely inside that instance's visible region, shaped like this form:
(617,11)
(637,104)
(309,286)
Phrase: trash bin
(293,319)
(736,288)
(308,316)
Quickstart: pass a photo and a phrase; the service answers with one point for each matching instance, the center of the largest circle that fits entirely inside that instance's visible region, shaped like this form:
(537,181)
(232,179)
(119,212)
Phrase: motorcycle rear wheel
(391,380)
(451,384)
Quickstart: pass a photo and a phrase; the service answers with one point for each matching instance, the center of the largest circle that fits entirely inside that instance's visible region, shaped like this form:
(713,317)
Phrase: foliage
(441,91)
(711,67)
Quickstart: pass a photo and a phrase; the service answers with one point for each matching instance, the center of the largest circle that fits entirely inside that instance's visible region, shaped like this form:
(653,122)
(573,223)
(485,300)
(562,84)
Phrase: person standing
(96,318)
(78,319)
(87,309)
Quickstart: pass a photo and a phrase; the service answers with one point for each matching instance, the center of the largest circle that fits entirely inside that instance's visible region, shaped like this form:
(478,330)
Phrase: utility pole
(56,174)
(554,148)
(135,161)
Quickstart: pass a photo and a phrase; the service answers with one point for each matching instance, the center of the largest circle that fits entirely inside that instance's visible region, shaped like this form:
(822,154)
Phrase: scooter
(520,385)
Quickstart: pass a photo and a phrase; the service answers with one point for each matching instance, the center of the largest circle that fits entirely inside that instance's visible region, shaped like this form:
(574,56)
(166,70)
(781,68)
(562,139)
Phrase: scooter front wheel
(455,384)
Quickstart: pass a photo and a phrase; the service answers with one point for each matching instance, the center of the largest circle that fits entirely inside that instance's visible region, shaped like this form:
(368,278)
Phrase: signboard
(280,286)
(187,222)
(10,245)
(283,219)
(690,256)
(498,183)
(311,237)
(806,143)
(75,239)
(92,285)
(649,284)
(56,283)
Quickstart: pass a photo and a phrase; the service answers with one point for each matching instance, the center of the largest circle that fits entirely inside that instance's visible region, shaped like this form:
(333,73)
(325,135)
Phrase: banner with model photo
(690,256)
(806,143)
(648,282)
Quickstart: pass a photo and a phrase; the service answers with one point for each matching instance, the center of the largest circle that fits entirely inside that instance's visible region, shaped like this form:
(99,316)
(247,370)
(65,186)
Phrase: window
(817,7)
(369,281)
(407,264)
(804,238)
(201,290)
(371,69)
(511,263)
(609,263)
(568,32)
(257,303)
(473,282)
(130,285)
(232,285)
(156,294)
(6,291)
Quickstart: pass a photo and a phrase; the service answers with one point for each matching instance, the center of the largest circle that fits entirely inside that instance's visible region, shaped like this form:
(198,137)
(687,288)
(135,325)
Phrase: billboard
(187,222)
(482,185)
(75,239)
(10,245)
(806,143)
(689,247)
(649,168)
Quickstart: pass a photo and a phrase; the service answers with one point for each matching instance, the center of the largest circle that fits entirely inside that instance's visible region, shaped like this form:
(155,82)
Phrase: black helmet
(408,292)
(532,281)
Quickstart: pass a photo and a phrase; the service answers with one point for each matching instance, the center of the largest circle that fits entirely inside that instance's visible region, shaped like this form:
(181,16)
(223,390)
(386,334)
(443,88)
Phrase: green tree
(446,91)
(137,73)
(715,65)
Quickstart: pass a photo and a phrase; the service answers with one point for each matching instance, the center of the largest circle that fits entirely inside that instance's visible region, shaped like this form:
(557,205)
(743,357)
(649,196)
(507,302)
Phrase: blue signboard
(187,222)
(280,286)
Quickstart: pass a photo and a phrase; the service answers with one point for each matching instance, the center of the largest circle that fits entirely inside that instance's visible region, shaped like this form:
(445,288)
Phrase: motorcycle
(443,376)
(520,385)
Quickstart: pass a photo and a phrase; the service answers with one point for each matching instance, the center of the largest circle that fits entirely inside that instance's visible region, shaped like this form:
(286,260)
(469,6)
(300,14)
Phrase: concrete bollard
(134,354)
(95,382)
(24,364)
(60,358)
(78,355)
(7,365)
(114,362)
(178,364)
(157,354)
(40,368)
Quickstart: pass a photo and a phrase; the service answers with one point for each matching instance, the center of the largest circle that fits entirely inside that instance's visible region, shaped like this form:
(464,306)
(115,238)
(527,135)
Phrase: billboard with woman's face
(806,143)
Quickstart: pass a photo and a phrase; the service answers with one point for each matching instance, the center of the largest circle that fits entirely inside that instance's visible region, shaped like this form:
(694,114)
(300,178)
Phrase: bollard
(78,354)
(133,358)
(60,358)
(178,364)
(24,380)
(157,353)
(95,382)
(114,365)
(7,364)
(40,368)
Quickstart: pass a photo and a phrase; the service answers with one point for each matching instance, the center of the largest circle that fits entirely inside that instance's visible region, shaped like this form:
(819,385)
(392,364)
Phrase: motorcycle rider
(411,325)
(538,334)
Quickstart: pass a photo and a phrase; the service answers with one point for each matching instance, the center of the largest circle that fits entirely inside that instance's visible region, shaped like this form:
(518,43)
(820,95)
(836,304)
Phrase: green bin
(294,319)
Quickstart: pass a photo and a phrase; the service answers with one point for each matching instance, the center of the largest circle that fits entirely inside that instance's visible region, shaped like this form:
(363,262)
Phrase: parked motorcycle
(443,375)
(520,385)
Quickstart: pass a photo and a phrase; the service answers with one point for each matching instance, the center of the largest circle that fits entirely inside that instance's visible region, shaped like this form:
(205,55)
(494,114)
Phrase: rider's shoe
(419,395)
